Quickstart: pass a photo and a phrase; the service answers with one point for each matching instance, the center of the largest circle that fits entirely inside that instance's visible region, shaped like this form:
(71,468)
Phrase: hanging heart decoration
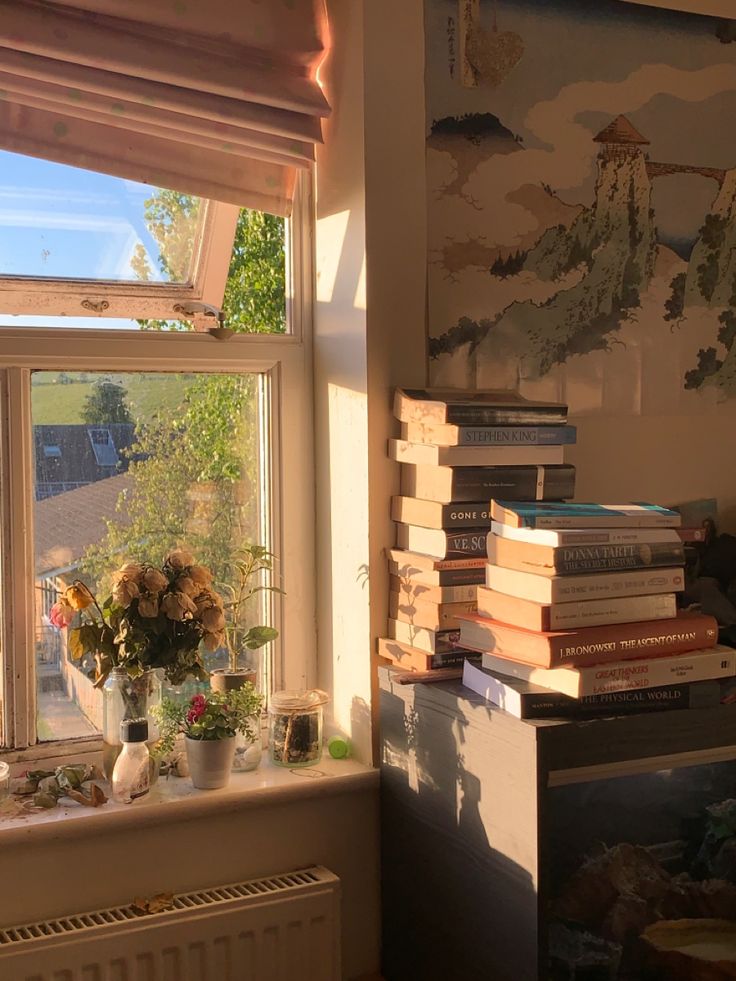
(493,55)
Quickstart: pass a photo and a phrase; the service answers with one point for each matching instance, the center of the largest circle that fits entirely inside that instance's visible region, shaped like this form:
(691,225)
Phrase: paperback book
(478,408)
(717,662)
(431,514)
(470,542)
(557,537)
(550,482)
(567,560)
(566,589)
(449,435)
(411,590)
(590,645)
(442,641)
(567,616)
(413,659)
(508,511)
(433,616)
(527,701)
(427,454)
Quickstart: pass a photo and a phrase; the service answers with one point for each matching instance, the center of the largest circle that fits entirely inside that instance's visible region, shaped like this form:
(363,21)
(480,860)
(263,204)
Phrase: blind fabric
(217,99)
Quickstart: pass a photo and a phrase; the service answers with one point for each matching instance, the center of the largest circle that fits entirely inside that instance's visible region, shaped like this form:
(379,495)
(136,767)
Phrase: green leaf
(76,647)
(258,636)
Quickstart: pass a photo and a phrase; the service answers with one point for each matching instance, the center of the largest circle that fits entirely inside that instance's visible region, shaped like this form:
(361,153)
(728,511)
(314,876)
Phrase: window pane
(129,466)
(64,222)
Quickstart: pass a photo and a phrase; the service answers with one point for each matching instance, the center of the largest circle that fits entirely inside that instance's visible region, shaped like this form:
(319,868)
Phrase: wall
(370,329)
(77,870)
(561,261)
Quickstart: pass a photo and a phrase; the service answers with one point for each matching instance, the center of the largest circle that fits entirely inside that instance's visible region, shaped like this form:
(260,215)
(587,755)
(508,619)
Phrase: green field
(56,402)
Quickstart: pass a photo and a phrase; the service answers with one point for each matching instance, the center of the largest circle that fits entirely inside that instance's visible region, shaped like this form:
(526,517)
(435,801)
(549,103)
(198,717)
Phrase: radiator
(281,928)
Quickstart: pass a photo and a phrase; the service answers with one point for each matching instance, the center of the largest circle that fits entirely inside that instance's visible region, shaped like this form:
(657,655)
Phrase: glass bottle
(131,774)
(124,698)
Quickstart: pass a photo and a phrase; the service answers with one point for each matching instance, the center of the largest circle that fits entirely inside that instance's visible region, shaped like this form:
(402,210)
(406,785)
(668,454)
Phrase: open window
(82,244)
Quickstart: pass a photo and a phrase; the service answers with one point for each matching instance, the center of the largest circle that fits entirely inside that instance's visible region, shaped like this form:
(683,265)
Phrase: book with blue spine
(548,514)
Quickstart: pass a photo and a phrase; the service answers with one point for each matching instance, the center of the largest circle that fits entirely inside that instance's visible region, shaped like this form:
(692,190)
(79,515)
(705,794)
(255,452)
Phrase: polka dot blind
(216,99)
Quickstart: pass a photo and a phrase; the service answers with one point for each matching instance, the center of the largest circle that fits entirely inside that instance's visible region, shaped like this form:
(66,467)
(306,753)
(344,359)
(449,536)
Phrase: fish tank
(641,876)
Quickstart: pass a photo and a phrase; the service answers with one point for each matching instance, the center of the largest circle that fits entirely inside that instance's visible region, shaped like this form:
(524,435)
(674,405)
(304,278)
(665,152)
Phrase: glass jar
(4,781)
(125,698)
(295,727)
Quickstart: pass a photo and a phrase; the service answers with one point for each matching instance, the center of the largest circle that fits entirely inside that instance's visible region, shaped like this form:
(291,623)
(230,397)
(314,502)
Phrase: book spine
(470,515)
(536,705)
(466,543)
(516,435)
(601,680)
(572,559)
(596,645)
(634,583)
(459,414)
(545,482)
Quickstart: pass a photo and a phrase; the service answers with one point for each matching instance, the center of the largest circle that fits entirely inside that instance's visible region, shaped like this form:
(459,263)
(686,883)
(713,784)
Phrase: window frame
(286,452)
(90,298)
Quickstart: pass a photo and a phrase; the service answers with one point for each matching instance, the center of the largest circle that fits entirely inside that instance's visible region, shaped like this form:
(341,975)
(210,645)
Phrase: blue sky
(61,221)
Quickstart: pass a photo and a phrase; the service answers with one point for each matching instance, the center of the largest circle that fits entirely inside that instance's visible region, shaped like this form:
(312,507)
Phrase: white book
(585,536)
(427,454)
(715,662)
(597,585)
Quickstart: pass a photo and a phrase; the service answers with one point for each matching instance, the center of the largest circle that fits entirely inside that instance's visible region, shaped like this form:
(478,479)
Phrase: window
(104,454)
(77,243)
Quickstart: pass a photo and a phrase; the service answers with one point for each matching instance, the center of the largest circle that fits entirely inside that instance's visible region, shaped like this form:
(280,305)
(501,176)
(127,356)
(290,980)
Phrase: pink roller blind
(215,98)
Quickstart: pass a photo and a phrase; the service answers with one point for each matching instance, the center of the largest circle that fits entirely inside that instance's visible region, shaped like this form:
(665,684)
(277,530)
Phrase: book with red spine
(590,645)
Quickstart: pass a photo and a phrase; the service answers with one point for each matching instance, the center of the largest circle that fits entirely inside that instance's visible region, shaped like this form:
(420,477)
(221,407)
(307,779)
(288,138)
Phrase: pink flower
(61,614)
(199,706)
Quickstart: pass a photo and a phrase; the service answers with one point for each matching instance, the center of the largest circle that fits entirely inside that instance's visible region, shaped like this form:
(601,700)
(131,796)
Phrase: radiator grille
(240,892)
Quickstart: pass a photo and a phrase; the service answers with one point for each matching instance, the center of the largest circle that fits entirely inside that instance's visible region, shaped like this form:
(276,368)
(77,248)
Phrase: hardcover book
(527,701)
(716,662)
(574,515)
(587,536)
(566,589)
(550,482)
(431,514)
(467,543)
(433,616)
(590,645)
(426,454)
(567,616)
(406,656)
(449,435)
(566,560)
(411,590)
(476,408)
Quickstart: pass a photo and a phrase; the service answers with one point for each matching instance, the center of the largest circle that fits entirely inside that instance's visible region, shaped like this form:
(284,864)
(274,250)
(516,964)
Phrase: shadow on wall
(437,858)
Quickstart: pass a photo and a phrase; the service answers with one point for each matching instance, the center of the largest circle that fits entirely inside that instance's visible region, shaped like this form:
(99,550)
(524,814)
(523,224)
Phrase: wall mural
(581,162)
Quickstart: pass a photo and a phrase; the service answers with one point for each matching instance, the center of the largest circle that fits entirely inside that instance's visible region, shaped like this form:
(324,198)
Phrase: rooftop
(67,524)
(620,130)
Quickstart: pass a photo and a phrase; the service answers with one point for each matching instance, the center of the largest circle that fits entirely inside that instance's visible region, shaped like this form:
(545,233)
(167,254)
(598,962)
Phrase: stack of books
(457,451)
(578,615)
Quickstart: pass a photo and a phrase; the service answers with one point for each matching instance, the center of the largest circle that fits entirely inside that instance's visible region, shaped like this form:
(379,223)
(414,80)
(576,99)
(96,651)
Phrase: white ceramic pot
(210,761)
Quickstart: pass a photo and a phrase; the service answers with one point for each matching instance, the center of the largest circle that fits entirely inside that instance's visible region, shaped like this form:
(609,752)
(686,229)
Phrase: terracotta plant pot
(210,761)
(225,680)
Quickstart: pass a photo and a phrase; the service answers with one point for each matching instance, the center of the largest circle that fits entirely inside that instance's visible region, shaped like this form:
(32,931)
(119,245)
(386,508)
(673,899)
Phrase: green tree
(105,404)
(194,469)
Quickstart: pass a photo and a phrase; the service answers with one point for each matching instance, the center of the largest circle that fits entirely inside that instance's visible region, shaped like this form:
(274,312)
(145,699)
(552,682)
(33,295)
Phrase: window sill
(175,799)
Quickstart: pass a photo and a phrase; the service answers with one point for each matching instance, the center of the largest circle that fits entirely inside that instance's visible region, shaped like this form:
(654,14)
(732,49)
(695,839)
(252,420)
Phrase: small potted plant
(251,565)
(210,723)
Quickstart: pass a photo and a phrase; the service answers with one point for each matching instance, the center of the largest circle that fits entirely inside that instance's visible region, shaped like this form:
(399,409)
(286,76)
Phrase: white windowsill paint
(175,799)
